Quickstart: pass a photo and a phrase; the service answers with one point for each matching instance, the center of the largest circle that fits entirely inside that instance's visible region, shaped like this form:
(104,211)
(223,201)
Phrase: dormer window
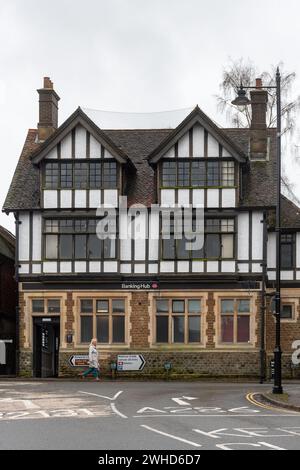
(191,173)
(81,175)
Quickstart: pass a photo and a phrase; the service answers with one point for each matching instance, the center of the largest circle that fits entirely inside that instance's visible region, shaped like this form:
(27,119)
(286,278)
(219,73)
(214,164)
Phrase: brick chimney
(48,110)
(258,140)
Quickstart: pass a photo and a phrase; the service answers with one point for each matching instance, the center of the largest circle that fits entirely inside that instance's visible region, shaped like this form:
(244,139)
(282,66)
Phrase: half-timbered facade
(206,311)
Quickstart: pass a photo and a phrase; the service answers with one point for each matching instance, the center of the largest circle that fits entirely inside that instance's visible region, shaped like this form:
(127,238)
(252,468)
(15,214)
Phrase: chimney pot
(48,110)
(48,83)
(258,83)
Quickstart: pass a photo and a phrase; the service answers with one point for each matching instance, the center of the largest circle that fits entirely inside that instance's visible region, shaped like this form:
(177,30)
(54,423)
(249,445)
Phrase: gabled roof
(7,243)
(197,116)
(79,117)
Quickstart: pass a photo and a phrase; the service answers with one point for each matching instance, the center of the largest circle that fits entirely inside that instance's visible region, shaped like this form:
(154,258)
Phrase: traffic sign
(127,362)
(79,360)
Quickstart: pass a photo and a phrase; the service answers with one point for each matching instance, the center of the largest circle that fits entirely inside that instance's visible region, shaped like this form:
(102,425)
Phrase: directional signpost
(128,362)
(79,360)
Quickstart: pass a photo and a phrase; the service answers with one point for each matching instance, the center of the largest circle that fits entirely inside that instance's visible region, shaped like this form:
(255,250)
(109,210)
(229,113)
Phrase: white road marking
(243,432)
(157,431)
(103,396)
(226,445)
(179,401)
(272,446)
(115,410)
(28,404)
(292,415)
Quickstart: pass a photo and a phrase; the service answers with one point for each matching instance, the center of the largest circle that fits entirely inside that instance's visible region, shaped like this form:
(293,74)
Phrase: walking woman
(93,360)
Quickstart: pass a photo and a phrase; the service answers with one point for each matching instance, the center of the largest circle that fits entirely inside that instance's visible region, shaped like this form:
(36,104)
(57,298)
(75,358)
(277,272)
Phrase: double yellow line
(251,399)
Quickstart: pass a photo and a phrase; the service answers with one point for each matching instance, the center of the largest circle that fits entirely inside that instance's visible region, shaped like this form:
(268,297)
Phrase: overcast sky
(131,55)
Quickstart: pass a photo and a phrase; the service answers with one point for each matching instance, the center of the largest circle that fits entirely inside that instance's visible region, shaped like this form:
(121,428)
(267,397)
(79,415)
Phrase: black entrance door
(45,346)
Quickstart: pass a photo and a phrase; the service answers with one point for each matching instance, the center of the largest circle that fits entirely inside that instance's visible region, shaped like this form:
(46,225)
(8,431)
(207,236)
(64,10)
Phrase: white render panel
(257,235)
(271,250)
(50,267)
(50,199)
(298,275)
(256,268)
(95,148)
(243,236)
(139,268)
(212,266)
(80,142)
(65,267)
(198,141)
(225,153)
(271,275)
(80,198)
(167,266)
(95,198)
(287,275)
(24,268)
(197,267)
(228,266)
(66,146)
(212,146)
(140,228)
(298,250)
(66,198)
(24,236)
(110,266)
(111,197)
(36,237)
(167,197)
(243,267)
(94,266)
(183,266)
(198,197)
(52,153)
(228,197)
(153,268)
(125,268)
(80,266)
(184,146)
(125,243)
(107,154)
(139,250)
(36,268)
(212,198)
(170,153)
(184,197)
(153,236)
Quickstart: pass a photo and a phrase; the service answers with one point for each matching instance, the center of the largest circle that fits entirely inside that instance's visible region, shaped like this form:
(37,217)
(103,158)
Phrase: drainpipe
(17,223)
(263,302)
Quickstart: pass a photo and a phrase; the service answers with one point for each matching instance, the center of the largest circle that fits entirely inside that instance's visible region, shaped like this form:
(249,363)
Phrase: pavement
(122,415)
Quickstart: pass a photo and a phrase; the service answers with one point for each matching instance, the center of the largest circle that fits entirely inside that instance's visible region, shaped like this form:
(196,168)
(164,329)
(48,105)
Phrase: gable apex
(197,116)
(79,118)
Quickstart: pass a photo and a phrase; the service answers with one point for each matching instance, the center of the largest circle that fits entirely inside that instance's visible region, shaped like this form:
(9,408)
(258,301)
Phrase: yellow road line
(251,399)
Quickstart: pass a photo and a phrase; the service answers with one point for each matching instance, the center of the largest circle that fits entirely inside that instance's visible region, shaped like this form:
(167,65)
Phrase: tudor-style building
(208,312)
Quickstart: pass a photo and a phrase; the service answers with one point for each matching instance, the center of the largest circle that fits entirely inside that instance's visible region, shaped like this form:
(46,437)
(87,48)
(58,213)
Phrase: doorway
(46,340)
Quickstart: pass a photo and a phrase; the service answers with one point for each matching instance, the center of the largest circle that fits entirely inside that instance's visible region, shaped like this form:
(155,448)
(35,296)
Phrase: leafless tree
(239,71)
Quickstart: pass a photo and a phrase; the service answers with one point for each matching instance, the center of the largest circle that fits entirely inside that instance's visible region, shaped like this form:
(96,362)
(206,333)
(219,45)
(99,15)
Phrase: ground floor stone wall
(210,358)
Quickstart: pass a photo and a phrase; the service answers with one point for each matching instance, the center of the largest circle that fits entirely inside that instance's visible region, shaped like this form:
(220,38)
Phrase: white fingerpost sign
(127,362)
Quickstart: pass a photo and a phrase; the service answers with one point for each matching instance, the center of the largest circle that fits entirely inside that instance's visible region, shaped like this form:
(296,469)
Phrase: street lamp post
(242,100)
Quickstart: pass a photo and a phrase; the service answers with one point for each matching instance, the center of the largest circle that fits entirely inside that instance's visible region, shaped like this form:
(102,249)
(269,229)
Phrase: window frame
(56,231)
(89,162)
(186,314)
(251,314)
(204,181)
(110,314)
(221,233)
